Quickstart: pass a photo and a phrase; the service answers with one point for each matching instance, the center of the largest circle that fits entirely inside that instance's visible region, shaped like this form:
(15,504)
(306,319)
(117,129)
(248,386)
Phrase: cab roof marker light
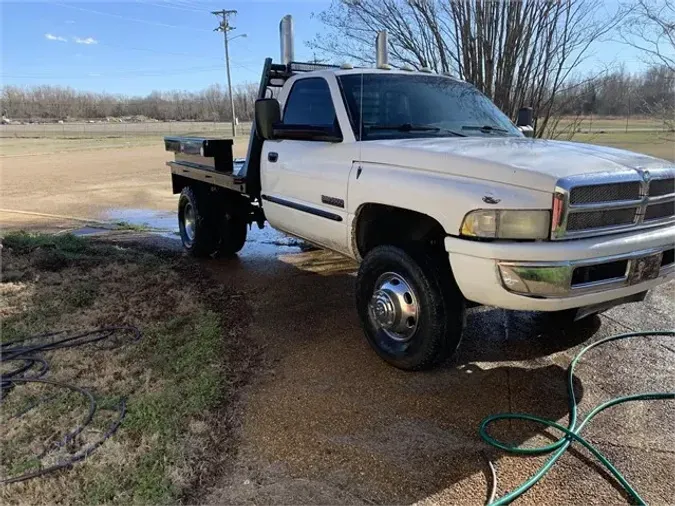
(346,66)
(407,68)
(426,70)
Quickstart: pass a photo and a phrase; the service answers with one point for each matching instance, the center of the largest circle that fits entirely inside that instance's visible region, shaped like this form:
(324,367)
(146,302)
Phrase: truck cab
(442,200)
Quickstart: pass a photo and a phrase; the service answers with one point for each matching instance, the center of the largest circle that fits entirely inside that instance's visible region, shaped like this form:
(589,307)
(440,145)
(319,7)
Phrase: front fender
(446,198)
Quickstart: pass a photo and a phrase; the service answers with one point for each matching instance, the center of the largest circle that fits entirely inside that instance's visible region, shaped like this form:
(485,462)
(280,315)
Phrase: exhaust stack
(286,37)
(382,50)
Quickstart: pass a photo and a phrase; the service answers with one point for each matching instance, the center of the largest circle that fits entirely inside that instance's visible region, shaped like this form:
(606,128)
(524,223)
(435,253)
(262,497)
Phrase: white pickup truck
(442,200)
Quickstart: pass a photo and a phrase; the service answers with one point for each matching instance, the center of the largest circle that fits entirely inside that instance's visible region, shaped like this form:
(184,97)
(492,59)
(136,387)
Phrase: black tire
(199,234)
(440,307)
(233,232)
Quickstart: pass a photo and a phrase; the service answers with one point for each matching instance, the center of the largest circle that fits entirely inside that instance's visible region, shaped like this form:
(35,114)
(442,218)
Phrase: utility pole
(225,27)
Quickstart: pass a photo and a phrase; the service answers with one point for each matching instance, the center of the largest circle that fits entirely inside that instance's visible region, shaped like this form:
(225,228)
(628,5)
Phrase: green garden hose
(572,431)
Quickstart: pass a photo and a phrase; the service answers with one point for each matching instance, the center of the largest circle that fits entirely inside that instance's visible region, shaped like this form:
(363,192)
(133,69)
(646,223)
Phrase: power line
(128,73)
(136,20)
(119,74)
(170,5)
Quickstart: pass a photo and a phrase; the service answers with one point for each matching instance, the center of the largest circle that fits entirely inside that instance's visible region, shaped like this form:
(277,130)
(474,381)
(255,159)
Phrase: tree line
(54,103)
(615,93)
(620,93)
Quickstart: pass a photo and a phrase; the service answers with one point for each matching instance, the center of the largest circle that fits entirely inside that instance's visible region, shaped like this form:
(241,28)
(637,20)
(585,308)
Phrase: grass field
(612,123)
(122,130)
(644,135)
(659,144)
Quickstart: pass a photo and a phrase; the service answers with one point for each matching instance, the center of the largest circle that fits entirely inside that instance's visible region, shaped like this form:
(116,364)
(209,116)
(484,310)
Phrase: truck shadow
(497,334)
(328,411)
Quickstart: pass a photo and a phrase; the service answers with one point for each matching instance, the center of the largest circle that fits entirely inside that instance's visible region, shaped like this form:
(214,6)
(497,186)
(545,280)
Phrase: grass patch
(125,225)
(178,381)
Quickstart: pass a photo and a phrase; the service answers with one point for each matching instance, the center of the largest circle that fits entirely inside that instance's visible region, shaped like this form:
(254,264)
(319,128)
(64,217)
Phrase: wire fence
(89,130)
(158,129)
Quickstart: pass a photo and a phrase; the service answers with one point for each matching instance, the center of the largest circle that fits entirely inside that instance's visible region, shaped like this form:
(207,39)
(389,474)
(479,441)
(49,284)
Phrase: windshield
(397,106)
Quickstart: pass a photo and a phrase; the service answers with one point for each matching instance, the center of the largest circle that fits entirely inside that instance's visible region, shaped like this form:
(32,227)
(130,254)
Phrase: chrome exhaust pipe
(382,50)
(286,36)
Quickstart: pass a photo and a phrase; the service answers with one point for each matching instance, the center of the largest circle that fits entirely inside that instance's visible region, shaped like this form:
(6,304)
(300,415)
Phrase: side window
(310,103)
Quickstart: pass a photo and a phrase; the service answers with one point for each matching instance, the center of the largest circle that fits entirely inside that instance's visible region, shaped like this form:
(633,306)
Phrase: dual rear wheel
(208,226)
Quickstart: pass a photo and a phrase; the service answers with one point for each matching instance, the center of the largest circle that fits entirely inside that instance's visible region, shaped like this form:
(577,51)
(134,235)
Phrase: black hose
(17,351)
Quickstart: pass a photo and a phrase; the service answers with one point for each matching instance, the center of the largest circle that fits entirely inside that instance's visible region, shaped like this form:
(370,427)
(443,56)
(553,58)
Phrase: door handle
(272,156)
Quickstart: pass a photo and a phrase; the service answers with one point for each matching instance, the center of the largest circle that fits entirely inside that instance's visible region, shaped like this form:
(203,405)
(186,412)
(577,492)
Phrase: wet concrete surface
(328,422)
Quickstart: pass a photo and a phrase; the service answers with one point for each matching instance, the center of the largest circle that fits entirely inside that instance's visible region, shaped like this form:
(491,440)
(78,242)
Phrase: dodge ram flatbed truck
(440,198)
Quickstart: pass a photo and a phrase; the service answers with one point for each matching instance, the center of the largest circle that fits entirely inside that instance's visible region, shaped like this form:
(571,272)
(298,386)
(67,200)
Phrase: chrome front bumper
(558,279)
(558,275)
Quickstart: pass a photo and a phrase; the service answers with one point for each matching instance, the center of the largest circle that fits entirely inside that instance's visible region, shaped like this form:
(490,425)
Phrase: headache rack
(210,160)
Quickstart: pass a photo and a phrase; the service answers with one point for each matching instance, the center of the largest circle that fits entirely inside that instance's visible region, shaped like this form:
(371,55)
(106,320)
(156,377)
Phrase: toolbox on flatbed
(206,159)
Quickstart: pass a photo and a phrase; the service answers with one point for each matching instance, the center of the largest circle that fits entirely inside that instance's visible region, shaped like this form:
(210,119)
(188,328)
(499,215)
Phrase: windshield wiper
(485,128)
(410,127)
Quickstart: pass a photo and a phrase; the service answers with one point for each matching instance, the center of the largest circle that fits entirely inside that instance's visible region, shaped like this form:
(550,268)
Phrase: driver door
(305,181)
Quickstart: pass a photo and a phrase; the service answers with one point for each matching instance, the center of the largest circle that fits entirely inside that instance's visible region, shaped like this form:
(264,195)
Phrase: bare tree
(516,52)
(650,27)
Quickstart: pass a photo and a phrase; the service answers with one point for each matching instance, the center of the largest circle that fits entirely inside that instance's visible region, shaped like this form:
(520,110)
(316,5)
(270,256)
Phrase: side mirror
(267,114)
(525,121)
(525,117)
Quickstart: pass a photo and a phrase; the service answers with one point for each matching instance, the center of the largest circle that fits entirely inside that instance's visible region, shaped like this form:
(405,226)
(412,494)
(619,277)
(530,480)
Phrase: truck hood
(518,161)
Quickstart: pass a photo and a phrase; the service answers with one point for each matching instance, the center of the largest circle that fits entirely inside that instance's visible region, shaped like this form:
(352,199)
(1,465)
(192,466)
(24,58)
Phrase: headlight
(507,224)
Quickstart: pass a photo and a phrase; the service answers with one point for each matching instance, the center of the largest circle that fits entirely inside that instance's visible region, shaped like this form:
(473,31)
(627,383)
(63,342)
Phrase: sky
(136,46)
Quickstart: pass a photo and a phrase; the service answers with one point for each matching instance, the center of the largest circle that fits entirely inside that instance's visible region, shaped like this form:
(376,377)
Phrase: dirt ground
(326,421)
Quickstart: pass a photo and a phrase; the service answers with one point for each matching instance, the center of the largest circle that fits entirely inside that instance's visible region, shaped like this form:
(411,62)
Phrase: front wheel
(411,310)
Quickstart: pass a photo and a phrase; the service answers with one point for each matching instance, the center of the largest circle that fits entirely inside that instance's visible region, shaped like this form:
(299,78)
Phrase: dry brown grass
(179,380)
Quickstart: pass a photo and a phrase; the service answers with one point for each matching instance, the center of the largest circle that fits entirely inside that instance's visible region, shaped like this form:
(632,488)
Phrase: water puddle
(270,242)
(88,231)
(140,219)
(266,244)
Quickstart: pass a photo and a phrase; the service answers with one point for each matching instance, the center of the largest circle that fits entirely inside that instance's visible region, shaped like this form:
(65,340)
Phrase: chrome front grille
(659,211)
(661,187)
(598,204)
(597,219)
(605,193)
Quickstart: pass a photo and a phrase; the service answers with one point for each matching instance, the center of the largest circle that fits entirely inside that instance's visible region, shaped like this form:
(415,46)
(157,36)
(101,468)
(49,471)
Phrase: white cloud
(88,40)
(49,36)
(70,22)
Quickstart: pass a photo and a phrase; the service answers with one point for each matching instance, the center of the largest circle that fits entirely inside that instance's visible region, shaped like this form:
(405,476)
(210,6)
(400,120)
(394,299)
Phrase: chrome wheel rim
(189,221)
(394,307)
